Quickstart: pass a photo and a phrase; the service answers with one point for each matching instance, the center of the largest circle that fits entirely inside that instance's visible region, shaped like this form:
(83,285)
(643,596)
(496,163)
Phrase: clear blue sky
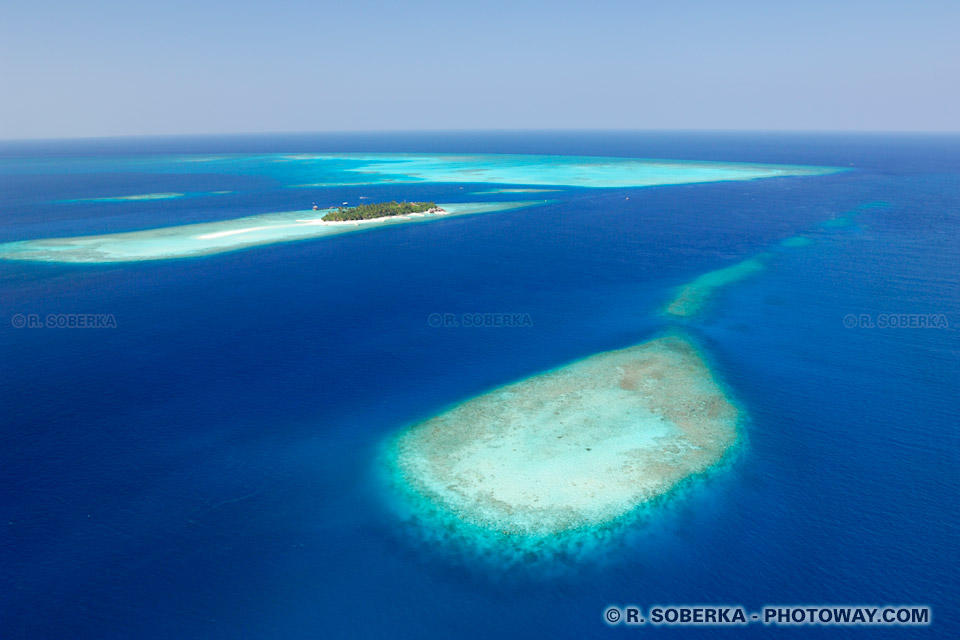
(118,67)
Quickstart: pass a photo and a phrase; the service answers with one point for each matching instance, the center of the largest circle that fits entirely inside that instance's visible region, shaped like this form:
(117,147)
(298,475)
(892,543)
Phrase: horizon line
(235,134)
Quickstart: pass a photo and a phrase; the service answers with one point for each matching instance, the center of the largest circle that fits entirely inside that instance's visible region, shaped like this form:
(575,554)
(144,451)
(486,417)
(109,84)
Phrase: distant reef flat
(574,171)
(569,451)
(193,240)
(493,173)
(492,191)
(140,197)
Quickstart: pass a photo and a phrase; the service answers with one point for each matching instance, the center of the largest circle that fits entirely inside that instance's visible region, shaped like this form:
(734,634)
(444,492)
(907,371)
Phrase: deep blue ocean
(208,467)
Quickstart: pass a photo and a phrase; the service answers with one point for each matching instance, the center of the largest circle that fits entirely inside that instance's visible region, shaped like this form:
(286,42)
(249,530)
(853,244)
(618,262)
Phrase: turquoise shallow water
(551,170)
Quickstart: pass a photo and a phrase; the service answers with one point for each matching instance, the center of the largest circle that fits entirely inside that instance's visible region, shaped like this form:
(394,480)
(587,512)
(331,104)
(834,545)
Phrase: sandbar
(194,240)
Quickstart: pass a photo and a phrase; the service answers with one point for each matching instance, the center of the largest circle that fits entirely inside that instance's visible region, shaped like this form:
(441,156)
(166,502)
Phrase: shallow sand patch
(576,448)
(491,191)
(141,197)
(693,296)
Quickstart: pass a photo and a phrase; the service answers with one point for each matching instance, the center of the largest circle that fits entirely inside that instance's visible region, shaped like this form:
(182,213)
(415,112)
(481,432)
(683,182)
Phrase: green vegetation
(380,210)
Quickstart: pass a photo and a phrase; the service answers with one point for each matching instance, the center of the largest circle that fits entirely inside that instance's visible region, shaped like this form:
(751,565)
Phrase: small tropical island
(380,210)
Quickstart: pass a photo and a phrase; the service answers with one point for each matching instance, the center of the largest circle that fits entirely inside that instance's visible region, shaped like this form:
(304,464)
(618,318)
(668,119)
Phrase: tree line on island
(380,210)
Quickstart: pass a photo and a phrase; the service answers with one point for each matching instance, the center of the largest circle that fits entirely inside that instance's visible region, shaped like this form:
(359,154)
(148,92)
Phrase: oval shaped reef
(571,449)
